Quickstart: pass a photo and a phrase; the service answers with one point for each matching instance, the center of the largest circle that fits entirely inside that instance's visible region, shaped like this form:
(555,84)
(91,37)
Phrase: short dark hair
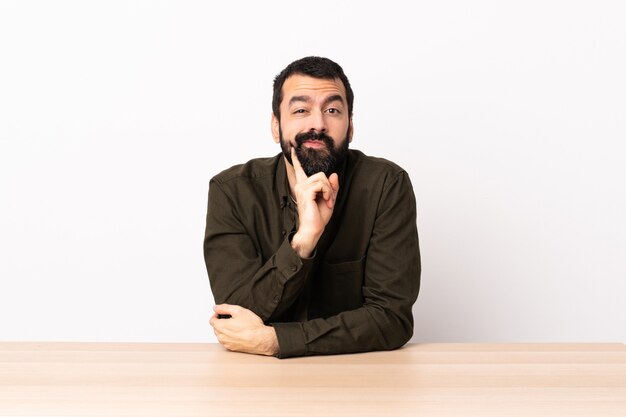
(313,66)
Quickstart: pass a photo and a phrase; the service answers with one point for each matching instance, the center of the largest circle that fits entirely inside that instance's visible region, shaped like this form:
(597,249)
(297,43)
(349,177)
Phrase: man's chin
(314,159)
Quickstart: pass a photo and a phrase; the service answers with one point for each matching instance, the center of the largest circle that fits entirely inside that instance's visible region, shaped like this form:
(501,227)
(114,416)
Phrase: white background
(508,116)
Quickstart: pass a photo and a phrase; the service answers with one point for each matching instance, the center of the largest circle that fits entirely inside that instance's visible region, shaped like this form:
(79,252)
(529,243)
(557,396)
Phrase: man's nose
(317,122)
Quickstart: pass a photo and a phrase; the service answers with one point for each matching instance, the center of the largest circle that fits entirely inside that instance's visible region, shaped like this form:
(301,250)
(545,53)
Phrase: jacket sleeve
(391,285)
(237,272)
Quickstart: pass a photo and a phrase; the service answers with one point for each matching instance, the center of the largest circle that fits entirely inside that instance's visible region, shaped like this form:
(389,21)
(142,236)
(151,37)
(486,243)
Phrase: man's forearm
(361,330)
(238,278)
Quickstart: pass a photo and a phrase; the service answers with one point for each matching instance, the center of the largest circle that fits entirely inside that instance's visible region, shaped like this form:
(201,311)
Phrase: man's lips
(317,144)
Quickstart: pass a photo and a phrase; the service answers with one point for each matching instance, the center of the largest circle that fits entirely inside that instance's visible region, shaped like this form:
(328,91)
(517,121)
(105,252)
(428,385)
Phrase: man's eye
(299,111)
(333,111)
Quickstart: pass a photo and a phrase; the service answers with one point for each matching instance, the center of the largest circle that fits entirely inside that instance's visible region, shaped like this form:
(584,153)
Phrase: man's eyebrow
(335,97)
(294,99)
(307,99)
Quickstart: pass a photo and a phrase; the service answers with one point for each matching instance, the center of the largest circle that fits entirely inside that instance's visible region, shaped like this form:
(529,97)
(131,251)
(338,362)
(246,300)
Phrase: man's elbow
(404,334)
(398,331)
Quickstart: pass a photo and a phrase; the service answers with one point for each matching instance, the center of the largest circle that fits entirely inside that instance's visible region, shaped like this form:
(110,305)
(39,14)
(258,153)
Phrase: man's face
(314,120)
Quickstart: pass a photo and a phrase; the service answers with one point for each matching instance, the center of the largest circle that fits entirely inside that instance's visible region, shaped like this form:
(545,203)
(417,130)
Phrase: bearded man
(314,251)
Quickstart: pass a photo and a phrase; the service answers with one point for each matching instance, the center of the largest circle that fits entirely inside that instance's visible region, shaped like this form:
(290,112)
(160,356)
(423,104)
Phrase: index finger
(226,310)
(300,174)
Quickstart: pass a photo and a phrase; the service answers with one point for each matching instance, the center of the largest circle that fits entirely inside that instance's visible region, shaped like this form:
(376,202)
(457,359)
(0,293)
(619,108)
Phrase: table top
(187,379)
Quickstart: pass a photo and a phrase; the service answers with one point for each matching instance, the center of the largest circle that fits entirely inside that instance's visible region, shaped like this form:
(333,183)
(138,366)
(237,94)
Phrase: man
(315,250)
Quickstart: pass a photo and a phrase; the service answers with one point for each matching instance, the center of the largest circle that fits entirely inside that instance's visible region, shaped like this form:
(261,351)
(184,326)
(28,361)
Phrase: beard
(313,160)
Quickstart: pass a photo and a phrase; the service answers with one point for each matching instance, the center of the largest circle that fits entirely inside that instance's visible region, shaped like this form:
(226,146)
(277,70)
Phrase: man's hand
(244,331)
(316,196)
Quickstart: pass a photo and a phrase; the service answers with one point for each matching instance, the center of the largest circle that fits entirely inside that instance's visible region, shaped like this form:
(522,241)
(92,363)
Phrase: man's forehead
(299,84)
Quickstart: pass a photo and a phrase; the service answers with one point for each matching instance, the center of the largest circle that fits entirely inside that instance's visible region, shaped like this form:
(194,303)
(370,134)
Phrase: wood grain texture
(143,379)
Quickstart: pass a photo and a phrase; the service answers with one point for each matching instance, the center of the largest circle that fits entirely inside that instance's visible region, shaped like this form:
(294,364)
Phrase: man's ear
(350,130)
(275,128)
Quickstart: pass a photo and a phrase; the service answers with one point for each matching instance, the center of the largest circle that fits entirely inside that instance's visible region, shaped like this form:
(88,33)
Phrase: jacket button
(284,232)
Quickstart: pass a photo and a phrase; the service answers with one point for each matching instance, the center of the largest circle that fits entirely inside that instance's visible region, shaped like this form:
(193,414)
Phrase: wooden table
(112,379)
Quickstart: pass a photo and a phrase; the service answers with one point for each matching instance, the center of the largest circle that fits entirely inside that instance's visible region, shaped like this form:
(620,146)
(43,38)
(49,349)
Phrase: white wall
(509,117)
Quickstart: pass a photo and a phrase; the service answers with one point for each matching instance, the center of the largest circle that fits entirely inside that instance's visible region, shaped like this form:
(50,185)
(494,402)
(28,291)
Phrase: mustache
(321,136)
